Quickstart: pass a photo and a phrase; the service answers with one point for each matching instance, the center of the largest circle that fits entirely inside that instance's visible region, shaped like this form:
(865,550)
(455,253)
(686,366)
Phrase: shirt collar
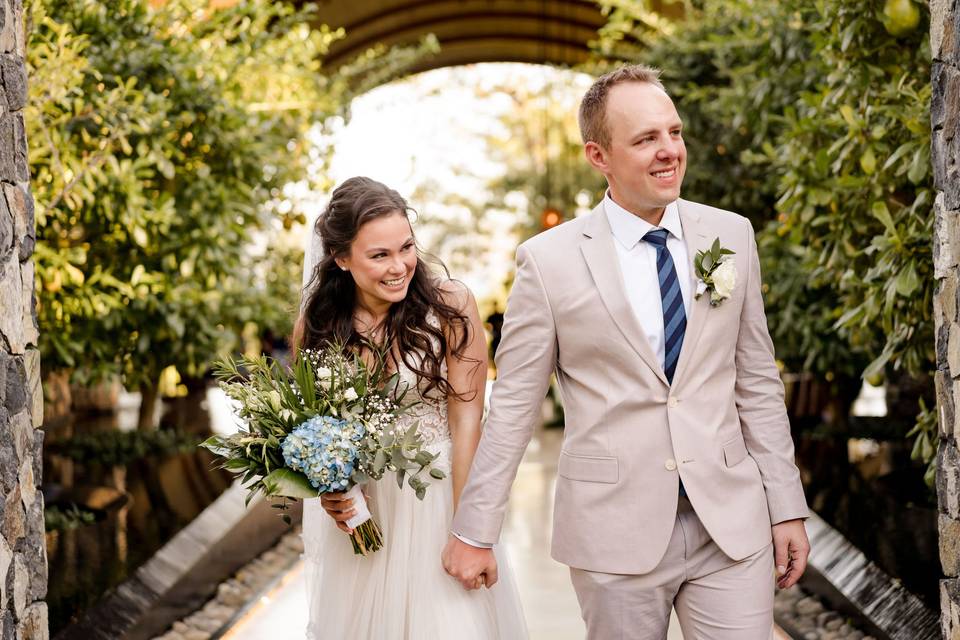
(629,229)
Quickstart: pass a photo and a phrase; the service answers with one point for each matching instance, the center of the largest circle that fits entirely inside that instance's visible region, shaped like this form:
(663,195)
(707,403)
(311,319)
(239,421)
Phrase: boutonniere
(716,273)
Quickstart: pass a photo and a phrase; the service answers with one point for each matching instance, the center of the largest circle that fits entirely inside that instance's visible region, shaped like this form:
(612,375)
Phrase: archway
(537,31)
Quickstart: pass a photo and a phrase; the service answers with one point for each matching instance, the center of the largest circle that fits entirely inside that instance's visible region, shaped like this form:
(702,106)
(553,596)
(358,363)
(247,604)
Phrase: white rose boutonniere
(716,273)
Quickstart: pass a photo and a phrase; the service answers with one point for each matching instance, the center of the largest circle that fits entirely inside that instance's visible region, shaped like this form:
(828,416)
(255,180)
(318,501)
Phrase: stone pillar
(945,117)
(23,556)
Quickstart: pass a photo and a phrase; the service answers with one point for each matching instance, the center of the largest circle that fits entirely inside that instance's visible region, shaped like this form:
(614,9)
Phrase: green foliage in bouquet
(334,392)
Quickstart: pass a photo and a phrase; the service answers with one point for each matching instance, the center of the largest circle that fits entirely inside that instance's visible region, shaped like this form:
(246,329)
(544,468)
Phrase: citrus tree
(158,135)
(811,117)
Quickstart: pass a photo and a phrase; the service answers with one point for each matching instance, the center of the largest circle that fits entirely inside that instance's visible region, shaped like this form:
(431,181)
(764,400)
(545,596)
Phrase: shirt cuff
(472,543)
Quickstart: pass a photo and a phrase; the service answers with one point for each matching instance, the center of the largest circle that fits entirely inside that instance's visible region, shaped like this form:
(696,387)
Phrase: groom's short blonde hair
(593,107)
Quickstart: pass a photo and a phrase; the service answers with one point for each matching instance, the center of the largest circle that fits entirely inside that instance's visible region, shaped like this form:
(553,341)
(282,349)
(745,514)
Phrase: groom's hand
(790,551)
(472,566)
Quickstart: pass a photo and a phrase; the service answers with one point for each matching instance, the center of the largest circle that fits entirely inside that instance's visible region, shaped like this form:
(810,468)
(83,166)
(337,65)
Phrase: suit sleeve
(526,357)
(760,403)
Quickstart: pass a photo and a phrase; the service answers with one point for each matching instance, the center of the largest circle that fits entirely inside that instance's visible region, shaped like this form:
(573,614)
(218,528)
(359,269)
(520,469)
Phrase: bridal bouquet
(328,423)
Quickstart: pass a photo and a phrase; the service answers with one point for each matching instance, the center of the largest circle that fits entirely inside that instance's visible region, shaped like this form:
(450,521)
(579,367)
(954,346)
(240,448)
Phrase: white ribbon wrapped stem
(360,505)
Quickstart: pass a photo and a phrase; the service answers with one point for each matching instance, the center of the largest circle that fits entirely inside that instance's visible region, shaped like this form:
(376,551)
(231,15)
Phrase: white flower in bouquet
(324,377)
(350,394)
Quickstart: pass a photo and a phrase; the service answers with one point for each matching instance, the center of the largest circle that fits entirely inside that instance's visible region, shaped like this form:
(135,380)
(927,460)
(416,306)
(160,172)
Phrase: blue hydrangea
(324,449)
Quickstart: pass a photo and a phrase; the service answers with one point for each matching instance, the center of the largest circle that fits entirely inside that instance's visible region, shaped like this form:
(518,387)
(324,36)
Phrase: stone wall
(23,557)
(945,116)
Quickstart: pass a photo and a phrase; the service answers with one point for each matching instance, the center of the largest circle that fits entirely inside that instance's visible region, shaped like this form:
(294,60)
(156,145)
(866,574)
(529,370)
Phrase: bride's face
(382,260)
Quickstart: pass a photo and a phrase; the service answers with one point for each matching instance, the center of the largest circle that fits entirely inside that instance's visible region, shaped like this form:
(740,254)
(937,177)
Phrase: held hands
(340,508)
(472,566)
(790,551)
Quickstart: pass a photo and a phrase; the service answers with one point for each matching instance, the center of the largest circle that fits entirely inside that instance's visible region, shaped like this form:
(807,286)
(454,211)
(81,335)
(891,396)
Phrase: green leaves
(868,161)
(849,116)
(810,118)
(705,262)
(907,281)
(159,139)
(290,484)
(881,213)
(273,399)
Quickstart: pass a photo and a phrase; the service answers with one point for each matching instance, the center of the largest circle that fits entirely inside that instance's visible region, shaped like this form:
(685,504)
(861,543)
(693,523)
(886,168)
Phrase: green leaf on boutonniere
(706,263)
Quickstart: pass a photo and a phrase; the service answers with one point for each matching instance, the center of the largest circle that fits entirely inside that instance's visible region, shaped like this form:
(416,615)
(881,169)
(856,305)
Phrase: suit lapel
(696,238)
(601,257)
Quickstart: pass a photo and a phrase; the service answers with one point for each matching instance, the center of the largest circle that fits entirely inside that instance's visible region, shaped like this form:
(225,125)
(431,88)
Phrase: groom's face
(646,159)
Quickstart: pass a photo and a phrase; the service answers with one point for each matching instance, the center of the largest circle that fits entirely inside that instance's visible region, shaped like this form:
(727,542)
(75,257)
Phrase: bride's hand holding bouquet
(326,425)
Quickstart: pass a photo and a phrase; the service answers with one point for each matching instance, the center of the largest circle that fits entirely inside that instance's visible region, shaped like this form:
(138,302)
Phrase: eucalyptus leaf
(289,483)
(380,461)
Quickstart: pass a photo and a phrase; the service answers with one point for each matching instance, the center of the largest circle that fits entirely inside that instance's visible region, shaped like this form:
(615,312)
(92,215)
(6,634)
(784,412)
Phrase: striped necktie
(674,317)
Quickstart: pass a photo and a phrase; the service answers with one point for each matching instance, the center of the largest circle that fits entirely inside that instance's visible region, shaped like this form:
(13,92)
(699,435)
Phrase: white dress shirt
(638,266)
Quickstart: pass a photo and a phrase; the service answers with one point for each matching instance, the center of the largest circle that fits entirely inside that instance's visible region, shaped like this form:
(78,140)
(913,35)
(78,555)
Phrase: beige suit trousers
(716,598)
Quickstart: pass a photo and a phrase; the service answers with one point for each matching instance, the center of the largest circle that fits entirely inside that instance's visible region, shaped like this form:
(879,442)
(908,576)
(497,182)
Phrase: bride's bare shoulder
(455,293)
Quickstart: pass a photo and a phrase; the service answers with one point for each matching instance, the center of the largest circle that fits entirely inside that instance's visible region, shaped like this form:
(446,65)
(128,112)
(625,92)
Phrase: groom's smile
(665,176)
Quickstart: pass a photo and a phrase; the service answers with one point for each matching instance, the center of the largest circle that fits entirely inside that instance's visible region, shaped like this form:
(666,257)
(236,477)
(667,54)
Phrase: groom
(677,485)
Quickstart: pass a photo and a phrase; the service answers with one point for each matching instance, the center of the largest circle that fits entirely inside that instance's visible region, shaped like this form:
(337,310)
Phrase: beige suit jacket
(629,436)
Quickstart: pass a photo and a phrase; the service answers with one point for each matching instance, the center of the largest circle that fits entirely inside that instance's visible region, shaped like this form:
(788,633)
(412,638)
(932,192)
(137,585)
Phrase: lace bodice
(430,410)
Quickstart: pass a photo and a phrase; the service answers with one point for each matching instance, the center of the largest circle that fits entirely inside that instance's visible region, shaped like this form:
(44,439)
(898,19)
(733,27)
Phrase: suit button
(670,464)
(672,402)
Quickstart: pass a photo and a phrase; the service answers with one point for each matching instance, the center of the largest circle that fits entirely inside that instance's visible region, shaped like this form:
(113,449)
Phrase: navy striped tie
(674,317)
(671,300)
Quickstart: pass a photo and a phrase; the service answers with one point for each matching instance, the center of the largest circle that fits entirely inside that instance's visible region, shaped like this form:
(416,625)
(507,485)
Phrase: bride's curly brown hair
(326,315)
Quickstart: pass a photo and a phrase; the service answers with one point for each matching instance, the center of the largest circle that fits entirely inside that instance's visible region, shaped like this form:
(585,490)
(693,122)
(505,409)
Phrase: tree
(542,153)
(158,136)
(816,112)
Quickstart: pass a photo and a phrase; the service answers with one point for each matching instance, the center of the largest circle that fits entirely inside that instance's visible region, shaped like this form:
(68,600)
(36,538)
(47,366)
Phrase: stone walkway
(267,598)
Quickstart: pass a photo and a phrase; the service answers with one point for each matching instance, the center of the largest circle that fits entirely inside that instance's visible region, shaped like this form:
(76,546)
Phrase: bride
(371,284)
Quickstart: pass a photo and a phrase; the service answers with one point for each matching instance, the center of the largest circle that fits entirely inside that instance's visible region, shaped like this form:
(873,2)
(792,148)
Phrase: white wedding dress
(402,592)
